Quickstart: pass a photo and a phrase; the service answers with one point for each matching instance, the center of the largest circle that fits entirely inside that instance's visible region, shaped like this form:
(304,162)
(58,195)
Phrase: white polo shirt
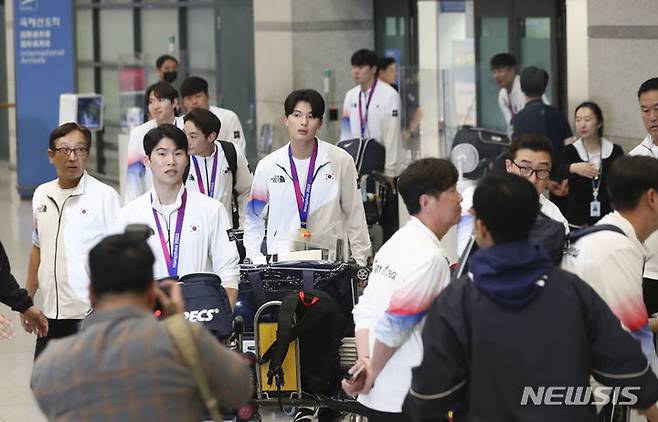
(223,190)
(382,123)
(67,224)
(649,149)
(612,263)
(408,272)
(205,242)
(231,129)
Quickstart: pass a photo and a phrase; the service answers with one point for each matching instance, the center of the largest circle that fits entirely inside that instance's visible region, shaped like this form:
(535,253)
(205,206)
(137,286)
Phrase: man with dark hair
(194,91)
(530,156)
(371,110)
(612,261)
(191,230)
(387,71)
(510,98)
(163,105)
(647,96)
(167,67)
(123,365)
(210,168)
(306,192)
(493,341)
(407,274)
(538,117)
(70,215)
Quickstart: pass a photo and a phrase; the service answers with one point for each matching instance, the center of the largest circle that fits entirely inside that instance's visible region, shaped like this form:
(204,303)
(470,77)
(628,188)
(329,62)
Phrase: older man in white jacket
(307,190)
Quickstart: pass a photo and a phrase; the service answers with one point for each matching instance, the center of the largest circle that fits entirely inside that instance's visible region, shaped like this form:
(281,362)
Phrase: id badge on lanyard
(595,205)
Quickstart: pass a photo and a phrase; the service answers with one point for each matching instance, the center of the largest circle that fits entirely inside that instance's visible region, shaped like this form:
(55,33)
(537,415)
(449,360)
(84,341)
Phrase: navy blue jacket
(520,321)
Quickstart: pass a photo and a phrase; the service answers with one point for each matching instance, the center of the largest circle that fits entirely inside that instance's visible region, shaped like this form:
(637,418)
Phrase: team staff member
(162,104)
(194,91)
(371,111)
(612,262)
(167,67)
(307,190)
(209,169)
(516,321)
(408,272)
(648,99)
(531,158)
(587,162)
(190,229)
(71,214)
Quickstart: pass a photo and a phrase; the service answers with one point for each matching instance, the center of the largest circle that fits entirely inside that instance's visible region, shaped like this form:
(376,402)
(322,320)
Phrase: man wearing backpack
(407,274)
(217,168)
(612,262)
(508,341)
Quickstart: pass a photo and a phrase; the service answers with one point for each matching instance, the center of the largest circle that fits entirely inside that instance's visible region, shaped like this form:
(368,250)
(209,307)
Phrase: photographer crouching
(124,364)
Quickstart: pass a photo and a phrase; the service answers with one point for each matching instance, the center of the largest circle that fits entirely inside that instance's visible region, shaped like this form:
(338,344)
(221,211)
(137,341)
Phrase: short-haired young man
(194,91)
(162,104)
(612,262)
(191,230)
(510,97)
(210,171)
(516,326)
(167,67)
(123,365)
(531,157)
(306,191)
(387,71)
(407,274)
(371,110)
(647,96)
(70,214)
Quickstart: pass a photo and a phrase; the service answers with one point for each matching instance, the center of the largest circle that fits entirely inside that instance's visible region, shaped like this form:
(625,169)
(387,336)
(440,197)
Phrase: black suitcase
(369,157)
(263,283)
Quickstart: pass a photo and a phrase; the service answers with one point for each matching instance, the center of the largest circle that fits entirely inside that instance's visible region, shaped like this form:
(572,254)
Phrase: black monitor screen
(90,112)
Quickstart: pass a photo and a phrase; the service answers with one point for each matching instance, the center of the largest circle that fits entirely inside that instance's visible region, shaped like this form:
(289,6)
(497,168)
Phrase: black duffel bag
(206,302)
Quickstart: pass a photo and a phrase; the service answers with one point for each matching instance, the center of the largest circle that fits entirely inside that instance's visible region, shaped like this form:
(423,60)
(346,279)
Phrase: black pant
(57,328)
(377,416)
(390,214)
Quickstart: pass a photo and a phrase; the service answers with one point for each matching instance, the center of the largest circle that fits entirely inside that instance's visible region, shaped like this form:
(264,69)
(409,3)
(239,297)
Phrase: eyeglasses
(527,172)
(79,152)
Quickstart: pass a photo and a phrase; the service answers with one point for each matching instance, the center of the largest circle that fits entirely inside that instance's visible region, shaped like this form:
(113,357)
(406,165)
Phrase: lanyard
(303,201)
(596,180)
(363,119)
(509,104)
(172,259)
(213,177)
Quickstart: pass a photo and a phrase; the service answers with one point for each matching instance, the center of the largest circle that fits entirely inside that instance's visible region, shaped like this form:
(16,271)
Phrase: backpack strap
(232,158)
(573,236)
(181,334)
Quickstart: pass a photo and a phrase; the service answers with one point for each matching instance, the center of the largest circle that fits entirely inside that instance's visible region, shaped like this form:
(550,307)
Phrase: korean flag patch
(395,113)
(236,134)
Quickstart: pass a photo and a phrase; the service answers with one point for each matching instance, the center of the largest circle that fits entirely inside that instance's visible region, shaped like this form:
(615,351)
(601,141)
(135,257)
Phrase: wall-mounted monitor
(85,109)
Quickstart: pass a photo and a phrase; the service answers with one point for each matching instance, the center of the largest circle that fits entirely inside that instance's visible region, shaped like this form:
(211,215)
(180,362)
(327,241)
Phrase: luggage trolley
(278,280)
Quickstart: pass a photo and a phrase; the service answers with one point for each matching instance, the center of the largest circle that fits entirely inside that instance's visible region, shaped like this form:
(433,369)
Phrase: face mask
(170,76)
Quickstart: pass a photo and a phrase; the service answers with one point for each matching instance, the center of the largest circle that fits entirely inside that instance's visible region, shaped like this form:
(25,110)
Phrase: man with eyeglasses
(70,214)
(530,156)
